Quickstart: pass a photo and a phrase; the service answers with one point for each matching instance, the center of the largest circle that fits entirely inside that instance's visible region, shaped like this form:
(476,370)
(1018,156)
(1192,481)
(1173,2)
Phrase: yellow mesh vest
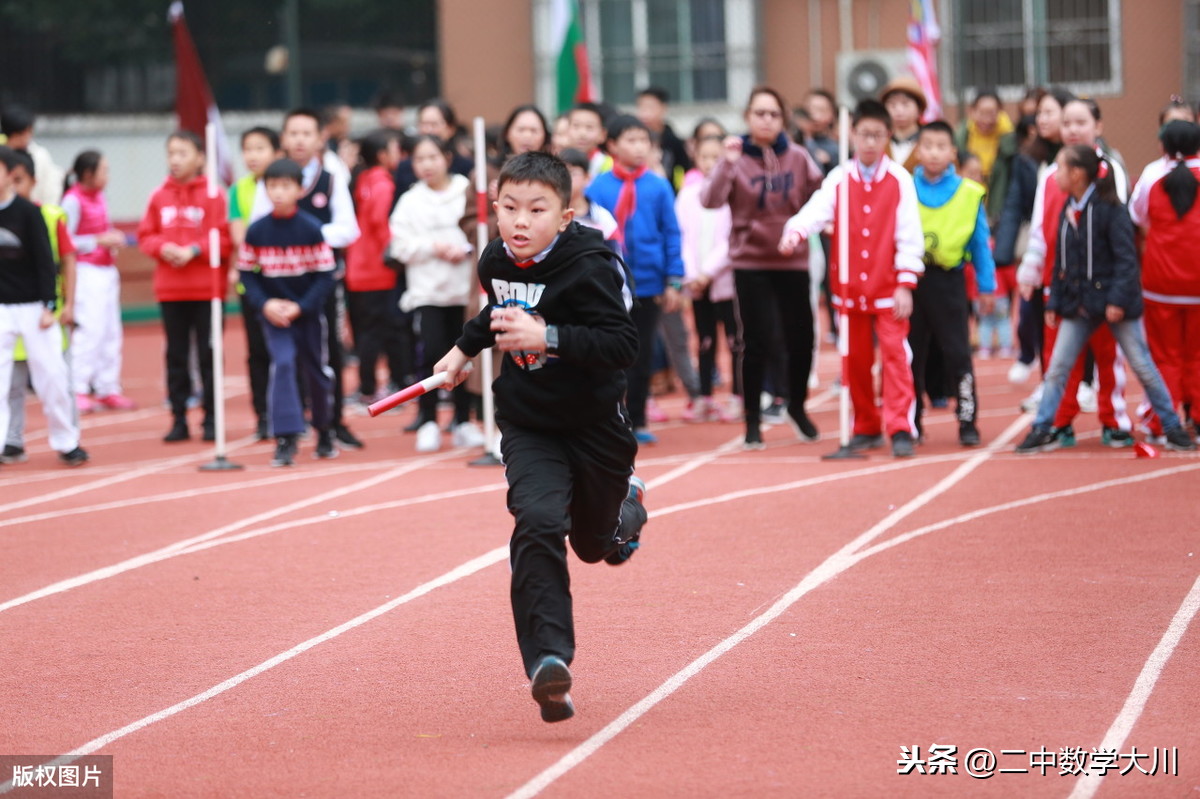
(948,229)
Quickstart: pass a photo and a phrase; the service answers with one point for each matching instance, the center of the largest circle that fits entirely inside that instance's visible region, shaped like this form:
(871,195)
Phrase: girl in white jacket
(440,271)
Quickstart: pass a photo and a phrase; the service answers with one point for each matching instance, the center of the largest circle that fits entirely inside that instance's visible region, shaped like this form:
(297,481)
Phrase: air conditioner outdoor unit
(864,73)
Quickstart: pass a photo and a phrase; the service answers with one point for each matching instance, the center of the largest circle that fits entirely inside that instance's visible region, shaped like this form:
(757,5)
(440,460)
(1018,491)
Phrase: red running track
(342,628)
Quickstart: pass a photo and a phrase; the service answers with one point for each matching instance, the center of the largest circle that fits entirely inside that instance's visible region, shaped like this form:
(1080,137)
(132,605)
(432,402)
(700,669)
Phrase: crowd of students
(362,246)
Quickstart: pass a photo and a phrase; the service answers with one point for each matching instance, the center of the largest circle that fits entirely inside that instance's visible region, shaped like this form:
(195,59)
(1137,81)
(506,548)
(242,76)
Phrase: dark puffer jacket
(1088,279)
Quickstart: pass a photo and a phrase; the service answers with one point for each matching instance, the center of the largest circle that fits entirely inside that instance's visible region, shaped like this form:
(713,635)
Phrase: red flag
(193,98)
(923,38)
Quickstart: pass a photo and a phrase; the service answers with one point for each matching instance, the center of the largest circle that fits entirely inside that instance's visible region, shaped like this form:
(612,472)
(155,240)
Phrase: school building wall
(488,51)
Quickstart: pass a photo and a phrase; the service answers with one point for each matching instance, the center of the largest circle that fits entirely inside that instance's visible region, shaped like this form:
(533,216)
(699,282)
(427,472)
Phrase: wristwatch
(552,340)
(51,305)
(675,283)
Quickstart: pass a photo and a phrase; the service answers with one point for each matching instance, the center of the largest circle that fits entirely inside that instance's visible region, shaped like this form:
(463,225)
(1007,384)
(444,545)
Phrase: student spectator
(822,142)
(643,205)
(651,107)
(175,232)
(260,147)
(906,104)
(434,118)
(96,342)
(524,131)
(985,133)
(16,125)
(887,250)
(586,133)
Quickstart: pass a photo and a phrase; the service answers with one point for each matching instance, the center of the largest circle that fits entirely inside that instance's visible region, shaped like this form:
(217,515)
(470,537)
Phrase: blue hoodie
(937,194)
(652,247)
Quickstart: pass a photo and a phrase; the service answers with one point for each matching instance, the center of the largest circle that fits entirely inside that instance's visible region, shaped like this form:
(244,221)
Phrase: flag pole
(491,455)
(843,246)
(219,463)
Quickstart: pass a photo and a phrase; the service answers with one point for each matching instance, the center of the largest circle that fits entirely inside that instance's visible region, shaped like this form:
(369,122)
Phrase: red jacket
(1170,272)
(183,213)
(365,270)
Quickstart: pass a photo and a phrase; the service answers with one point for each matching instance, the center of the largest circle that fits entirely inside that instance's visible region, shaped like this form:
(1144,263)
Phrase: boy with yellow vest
(956,228)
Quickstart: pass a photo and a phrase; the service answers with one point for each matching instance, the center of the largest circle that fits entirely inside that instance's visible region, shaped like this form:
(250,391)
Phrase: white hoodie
(423,217)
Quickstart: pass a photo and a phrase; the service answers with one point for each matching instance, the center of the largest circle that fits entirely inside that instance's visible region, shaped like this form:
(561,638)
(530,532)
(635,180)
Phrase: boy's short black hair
(388,99)
(302,112)
(270,134)
(936,126)
(871,109)
(8,157)
(188,136)
(22,158)
(657,92)
(15,119)
(284,169)
(625,122)
(538,167)
(576,158)
(590,108)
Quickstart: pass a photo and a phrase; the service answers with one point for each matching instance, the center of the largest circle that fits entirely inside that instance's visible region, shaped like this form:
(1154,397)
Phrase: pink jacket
(704,238)
(87,215)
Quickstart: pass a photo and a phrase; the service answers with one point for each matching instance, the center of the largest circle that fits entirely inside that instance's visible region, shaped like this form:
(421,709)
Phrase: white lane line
(470,567)
(157,555)
(834,565)
(465,570)
(122,504)
(1087,784)
(121,477)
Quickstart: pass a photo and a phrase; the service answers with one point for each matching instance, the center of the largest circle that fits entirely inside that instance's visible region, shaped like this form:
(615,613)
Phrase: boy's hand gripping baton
(431,383)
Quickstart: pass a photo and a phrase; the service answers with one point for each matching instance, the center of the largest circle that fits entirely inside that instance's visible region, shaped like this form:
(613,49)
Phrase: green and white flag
(574,77)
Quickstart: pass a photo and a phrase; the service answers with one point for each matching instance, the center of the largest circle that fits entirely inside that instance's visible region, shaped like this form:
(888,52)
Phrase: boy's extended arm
(817,213)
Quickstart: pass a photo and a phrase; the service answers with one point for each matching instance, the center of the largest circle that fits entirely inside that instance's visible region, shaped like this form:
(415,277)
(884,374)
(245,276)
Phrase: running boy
(555,304)
(955,223)
(27,304)
(287,269)
(643,204)
(886,258)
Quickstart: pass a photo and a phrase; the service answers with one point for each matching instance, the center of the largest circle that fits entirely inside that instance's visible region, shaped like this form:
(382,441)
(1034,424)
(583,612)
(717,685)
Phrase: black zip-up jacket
(1087,279)
(576,288)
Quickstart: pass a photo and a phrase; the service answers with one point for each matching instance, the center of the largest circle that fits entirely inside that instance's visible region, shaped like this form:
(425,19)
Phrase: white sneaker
(429,437)
(1086,397)
(1019,372)
(1030,403)
(467,434)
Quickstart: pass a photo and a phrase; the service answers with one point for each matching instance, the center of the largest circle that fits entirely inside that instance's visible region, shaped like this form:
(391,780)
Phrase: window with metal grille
(1017,43)
(700,51)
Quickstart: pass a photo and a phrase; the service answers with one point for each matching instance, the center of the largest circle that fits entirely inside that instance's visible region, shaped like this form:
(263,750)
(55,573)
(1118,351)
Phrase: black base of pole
(488,459)
(221,464)
(844,454)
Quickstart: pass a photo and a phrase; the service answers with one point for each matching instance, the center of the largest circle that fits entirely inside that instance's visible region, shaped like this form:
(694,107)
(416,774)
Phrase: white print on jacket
(525,296)
(191,213)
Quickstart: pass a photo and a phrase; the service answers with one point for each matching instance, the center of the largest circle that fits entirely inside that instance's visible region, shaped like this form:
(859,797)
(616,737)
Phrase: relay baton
(431,383)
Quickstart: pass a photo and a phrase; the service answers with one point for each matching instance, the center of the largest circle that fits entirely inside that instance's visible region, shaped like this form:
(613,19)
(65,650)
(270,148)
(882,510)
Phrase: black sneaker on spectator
(754,439)
(285,451)
(178,431)
(1177,439)
(325,446)
(1038,440)
(344,436)
(775,413)
(903,445)
(76,457)
(805,430)
(861,441)
(968,434)
(262,431)
(13,454)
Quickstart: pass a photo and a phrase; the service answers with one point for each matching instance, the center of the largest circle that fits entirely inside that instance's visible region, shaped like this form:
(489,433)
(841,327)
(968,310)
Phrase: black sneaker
(178,431)
(902,445)
(13,454)
(210,430)
(775,413)
(1038,441)
(968,434)
(285,451)
(551,686)
(343,435)
(1065,436)
(1116,438)
(861,441)
(1177,439)
(76,457)
(262,431)
(325,445)
(754,439)
(633,518)
(805,430)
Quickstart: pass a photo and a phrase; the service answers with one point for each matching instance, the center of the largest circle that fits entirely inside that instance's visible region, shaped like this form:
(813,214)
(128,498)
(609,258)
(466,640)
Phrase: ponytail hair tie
(1102,172)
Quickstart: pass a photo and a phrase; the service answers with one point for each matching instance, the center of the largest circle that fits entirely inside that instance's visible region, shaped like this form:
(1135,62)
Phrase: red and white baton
(431,383)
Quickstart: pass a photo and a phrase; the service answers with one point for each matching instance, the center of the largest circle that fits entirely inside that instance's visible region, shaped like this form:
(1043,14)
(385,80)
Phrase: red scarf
(627,199)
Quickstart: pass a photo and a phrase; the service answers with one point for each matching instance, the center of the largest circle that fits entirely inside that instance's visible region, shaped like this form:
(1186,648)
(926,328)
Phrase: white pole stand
(491,441)
(844,452)
(219,463)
